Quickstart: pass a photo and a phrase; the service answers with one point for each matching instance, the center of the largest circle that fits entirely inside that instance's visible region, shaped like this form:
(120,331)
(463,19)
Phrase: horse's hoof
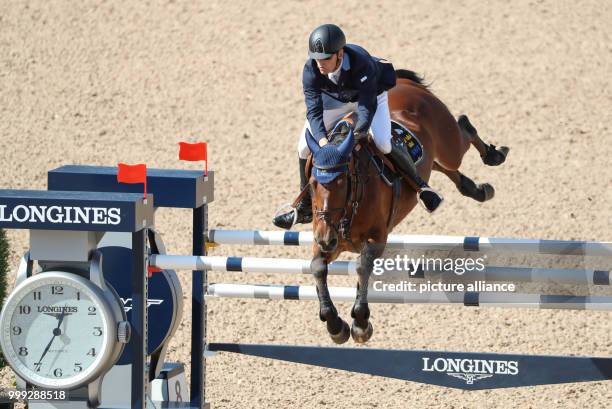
(342,336)
(495,156)
(488,191)
(361,336)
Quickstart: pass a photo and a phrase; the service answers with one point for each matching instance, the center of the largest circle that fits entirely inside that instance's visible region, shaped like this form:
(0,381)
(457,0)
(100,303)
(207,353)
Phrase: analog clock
(59,330)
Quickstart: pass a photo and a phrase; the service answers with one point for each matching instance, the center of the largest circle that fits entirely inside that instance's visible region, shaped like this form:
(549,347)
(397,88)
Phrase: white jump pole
(296,266)
(420,242)
(246,264)
(482,299)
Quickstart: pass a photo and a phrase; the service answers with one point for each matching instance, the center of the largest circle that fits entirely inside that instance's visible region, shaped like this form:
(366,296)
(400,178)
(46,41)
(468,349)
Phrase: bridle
(326,214)
(356,168)
(354,193)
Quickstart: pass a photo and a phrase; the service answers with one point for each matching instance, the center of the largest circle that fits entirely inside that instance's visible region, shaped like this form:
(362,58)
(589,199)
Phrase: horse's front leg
(337,328)
(361,329)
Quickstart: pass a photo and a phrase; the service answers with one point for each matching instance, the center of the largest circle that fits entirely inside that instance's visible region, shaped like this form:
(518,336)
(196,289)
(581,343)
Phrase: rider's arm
(366,104)
(314,102)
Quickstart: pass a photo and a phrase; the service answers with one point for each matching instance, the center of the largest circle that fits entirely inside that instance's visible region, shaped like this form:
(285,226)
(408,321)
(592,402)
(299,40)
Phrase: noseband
(343,226)
(326,216)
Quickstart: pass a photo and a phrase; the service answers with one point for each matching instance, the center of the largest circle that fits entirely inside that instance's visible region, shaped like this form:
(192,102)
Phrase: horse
(359,207)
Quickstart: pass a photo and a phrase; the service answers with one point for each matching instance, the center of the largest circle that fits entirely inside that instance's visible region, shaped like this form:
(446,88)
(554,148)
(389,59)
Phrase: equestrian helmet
(325,41)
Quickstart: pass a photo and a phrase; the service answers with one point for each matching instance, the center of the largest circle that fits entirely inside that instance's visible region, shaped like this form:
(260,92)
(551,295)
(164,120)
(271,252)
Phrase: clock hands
(56,331)
(46,349)
(60,318)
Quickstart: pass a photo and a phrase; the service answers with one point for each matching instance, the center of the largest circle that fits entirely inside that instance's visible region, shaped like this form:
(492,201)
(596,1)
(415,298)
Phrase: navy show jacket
(362,79)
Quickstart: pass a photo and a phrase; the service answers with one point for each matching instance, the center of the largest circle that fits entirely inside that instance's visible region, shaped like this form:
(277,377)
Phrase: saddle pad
(409,139)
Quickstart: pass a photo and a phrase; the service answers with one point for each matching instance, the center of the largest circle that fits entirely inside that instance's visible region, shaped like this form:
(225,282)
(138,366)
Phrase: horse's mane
(412,76)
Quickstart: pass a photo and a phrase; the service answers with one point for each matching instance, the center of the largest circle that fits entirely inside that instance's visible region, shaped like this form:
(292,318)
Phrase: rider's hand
(323,142)
(361,136)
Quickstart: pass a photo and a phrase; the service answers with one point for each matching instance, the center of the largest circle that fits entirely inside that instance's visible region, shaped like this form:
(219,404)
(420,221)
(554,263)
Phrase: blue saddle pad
(409,139)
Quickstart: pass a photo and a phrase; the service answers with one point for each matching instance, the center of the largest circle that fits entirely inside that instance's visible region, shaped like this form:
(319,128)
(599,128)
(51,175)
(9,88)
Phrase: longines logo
(57,309)
(60,214)
(470,370)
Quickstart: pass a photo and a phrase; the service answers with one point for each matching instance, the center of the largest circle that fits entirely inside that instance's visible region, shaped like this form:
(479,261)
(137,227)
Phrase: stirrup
(428,189)
(286,208)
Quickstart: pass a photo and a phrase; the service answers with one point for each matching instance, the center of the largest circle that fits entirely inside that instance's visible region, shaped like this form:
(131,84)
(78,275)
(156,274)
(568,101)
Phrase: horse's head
(330,188)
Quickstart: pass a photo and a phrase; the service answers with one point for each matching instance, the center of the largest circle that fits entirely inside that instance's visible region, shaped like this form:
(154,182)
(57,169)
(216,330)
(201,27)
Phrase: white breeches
(335,110)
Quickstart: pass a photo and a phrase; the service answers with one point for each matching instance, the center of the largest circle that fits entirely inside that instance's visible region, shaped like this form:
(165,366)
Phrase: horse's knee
(364,271)
(368,257)
(318,268)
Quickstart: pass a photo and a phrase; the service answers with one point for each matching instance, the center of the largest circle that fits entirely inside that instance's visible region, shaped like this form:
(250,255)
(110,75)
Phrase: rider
(339,78)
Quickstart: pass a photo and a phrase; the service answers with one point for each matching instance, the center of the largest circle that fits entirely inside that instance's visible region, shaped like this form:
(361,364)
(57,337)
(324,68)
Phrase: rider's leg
(304,207)
(381,133)
(381,124)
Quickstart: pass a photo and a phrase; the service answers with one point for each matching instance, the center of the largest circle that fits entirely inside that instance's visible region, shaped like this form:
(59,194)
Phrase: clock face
(55,331)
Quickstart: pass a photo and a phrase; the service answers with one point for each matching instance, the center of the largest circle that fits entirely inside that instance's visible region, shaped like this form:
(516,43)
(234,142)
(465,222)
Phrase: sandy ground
(109,81)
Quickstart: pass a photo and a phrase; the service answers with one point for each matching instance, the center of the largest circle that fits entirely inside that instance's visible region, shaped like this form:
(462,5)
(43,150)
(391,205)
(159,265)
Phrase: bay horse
(358,209)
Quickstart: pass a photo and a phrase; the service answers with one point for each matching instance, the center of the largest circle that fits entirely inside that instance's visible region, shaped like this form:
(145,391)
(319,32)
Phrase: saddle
(400,135)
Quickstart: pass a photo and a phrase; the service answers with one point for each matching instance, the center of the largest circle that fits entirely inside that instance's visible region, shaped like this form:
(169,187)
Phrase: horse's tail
(410,75)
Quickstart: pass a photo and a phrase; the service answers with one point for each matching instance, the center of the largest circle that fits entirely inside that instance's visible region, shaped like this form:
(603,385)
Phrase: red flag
(133,174)
(194,152)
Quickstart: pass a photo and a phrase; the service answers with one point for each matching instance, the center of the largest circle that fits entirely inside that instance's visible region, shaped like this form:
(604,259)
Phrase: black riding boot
(304,207)
(404,164)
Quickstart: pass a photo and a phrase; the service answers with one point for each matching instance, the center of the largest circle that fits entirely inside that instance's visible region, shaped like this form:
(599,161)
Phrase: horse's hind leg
(465,185)
(361,329)
(490,155)
(337,328)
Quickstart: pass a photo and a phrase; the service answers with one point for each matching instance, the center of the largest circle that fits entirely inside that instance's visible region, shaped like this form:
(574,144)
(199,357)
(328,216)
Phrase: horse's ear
(346,147)
(312,144)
